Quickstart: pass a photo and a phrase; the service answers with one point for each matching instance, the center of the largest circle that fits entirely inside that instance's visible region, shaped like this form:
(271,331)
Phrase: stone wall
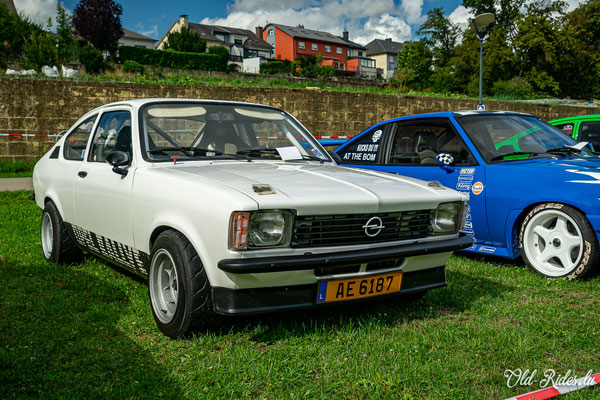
(33,106)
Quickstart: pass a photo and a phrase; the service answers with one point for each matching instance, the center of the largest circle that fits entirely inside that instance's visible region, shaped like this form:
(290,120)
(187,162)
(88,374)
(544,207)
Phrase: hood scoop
(263,189)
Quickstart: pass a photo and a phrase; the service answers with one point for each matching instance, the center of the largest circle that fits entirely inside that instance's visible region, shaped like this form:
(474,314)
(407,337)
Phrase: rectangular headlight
(260,229)
(449,218)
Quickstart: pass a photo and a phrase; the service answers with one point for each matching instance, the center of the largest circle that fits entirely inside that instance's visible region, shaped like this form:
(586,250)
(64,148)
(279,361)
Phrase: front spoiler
(310,261)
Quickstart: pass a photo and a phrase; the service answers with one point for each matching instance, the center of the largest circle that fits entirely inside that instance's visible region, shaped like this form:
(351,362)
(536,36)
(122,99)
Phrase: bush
(133,66)
(92,59)
(222,53)
(515,88)
(185,41)
(276,67)
(171,59)
(39,50)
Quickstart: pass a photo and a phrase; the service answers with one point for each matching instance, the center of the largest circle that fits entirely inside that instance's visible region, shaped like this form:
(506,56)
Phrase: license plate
(358,288)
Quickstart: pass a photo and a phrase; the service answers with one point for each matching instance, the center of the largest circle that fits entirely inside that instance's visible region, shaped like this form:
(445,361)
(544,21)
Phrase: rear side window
(76,142)
(364,150)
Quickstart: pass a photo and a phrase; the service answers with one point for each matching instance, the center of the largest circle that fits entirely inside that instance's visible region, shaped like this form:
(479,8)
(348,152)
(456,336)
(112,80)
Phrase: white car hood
(312,188)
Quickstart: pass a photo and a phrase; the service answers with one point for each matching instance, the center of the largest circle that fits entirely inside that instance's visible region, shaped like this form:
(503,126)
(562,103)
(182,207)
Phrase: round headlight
(268,228)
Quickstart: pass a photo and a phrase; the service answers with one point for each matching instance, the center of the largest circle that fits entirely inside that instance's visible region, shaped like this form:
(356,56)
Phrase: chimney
(345,35)
(183,20)
(259,31)
(388,39)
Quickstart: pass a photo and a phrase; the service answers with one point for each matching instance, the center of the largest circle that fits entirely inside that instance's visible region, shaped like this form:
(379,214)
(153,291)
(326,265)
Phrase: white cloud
(460,17)
(38,10)
(152,31)
(377,19)
(573,4)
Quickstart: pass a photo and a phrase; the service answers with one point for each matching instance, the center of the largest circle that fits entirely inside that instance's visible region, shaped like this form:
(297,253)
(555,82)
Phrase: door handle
(82,174)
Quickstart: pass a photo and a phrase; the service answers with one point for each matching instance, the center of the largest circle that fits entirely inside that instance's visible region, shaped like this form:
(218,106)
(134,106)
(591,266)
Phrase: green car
(583,128)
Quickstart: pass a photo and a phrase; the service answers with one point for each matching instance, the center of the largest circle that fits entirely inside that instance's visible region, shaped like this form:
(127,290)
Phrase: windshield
(224,131)
(514,137)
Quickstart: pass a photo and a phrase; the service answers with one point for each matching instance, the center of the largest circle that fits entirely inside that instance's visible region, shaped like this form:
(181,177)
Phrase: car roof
(137,103)
(587,117)
(447,114)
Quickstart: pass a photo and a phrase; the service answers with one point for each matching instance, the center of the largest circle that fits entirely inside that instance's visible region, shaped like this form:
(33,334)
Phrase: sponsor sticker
(472,247)
(477,188)
(487,249)
(465,178)
(469,232)
(463,186)
(567,128)
(467,171)
(468,225)
(468,217)
(377,135)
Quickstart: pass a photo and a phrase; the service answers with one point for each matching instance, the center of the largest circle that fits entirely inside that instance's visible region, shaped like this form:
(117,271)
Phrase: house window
(360,53)
(300,45)
(271,32)
(238,41)
(328,49)
(339,50)
(314,47)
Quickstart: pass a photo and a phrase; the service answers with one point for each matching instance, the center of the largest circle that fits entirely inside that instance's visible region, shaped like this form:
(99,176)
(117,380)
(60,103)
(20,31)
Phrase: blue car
(533,191)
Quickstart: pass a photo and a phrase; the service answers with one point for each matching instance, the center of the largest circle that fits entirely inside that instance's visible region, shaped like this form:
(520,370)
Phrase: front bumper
(309,260)
(229,301)
(259,300)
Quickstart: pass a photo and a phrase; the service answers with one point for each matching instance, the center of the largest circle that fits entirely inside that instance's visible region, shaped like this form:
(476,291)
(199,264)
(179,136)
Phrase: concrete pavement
(14,184)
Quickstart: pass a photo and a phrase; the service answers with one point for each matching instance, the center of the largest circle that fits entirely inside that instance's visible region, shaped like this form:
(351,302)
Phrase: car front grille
(345,229)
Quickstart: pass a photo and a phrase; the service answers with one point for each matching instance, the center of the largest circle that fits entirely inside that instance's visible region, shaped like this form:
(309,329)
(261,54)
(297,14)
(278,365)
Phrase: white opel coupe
(234,208)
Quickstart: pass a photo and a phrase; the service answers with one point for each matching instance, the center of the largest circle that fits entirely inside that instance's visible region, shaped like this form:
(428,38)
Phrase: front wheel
(180,294)
(558,241)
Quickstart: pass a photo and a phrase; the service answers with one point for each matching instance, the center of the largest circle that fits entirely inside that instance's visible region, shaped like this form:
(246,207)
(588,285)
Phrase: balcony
(236,58)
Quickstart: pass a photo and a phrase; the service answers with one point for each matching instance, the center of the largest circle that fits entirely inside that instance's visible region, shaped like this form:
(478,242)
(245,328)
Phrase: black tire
(62,248)
(190,291)
(557,241)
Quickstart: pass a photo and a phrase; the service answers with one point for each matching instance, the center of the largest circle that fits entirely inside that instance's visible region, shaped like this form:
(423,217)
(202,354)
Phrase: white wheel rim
(47,235)
(163,286)
(553,243)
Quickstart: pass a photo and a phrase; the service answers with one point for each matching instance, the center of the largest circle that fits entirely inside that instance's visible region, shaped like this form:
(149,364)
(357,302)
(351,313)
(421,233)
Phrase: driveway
(14,184)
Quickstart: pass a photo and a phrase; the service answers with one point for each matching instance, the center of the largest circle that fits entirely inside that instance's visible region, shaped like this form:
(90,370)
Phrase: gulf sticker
(477,188)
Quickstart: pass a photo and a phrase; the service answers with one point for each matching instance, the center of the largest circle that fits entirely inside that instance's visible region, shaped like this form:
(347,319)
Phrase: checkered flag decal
(445,158)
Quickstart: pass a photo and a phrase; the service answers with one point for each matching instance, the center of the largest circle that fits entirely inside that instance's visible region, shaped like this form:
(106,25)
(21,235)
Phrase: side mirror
(336,157)
(117,159)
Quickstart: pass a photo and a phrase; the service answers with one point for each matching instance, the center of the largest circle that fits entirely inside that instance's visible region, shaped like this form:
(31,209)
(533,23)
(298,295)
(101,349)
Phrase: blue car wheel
(557,241)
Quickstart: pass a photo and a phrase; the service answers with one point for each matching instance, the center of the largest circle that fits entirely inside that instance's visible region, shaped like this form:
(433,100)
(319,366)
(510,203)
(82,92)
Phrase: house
(357,60)
(292,42)
(243,44)
(385,53)
(131,38)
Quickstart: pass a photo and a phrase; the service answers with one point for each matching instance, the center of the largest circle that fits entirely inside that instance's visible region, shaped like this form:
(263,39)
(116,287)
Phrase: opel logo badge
(373,227)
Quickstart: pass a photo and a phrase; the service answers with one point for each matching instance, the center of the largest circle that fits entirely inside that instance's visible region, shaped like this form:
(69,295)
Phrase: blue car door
(409,147)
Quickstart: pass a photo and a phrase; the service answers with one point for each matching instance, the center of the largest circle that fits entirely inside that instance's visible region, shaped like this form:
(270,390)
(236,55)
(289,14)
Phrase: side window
(418,144)
(77,140)
(112,134)
(590,132)
(567,129)
(364,150)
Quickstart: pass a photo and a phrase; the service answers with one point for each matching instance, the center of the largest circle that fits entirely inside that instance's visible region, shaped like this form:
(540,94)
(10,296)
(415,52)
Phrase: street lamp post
(482,24)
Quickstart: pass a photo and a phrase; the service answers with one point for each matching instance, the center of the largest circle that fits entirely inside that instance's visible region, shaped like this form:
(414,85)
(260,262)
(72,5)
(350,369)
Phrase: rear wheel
(180,294)
(57,244)
(558,241)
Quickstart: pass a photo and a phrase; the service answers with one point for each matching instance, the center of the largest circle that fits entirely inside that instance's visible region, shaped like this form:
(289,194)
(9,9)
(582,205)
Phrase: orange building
(292,42)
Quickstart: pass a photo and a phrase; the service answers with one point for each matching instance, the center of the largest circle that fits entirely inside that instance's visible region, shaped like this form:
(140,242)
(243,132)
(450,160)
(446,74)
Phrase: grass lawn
(87,331)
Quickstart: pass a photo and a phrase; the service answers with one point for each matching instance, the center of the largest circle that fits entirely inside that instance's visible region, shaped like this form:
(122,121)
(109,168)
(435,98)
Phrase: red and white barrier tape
(27,135)
(316,137)
(554,391)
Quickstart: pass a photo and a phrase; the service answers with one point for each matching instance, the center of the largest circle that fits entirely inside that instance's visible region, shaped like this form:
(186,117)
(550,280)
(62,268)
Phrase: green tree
(39,50)
(416,57)
(64,32)
(99,22)
(440,35)
(187,41)
(14,30)
(506,12)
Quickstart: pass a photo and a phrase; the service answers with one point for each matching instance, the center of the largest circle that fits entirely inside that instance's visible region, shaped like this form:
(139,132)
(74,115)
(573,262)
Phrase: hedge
(276,67)
(172,59)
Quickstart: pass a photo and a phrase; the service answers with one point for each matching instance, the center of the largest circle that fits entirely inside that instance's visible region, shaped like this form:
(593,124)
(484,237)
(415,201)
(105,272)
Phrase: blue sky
(365,20)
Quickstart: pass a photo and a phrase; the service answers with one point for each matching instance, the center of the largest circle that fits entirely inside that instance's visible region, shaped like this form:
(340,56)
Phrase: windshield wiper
(257,151)
(564,150)
(193,150)
(313,158)
(515,153)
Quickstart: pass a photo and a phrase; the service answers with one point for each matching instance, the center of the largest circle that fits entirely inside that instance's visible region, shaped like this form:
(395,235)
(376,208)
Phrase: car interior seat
(425,145)
(123,142)
(221,136)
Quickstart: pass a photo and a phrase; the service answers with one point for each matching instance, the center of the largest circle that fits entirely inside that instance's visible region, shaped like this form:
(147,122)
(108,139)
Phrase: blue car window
(363,150)
(419,143)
